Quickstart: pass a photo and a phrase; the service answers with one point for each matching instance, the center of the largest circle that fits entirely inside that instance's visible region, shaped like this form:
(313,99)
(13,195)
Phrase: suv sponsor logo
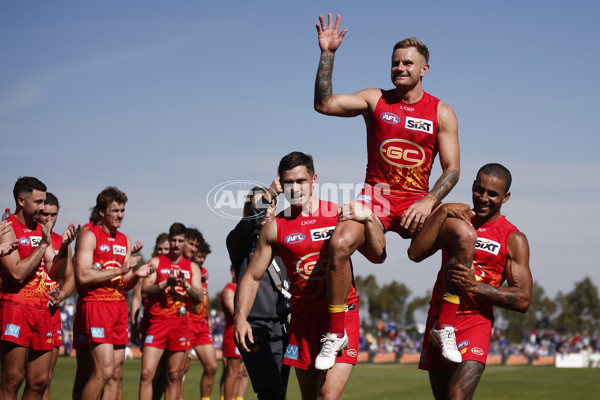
(419,124)
(402,153)
(119,250)
(97,332)
(390,118)
(104,248)
(294,238)
(488,245)
(291,352)
(12,330)
(313,266)
(321,233)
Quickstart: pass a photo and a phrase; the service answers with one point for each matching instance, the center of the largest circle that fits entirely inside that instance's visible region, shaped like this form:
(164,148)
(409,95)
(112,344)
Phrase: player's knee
(210,369)
(174,376)
(11,382)
(341,244)
(146,375)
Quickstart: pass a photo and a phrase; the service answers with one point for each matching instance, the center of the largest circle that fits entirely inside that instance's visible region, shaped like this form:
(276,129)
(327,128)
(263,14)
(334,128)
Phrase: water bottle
(6,214)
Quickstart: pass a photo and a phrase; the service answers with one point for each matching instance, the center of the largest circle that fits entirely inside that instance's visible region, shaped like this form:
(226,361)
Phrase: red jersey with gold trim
(228,315)
(200,316)
(51,284)
(303,244)
(489,262)
(167,303)
(402,143)
(109,253)
(32,292)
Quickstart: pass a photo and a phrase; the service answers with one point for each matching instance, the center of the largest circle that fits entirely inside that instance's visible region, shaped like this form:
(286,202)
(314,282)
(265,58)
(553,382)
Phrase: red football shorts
(473,334)
(388,207)
(306,330)
(79,337)
(171,333)
(56,328)
(199,334)
(229,348)
(105,322)
(27,327)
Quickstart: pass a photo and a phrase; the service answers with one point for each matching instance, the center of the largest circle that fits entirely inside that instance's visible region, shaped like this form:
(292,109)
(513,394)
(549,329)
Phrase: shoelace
(328,346)
(448,339)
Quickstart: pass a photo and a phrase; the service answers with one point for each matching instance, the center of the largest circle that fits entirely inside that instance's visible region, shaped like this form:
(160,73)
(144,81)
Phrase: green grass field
(390,381)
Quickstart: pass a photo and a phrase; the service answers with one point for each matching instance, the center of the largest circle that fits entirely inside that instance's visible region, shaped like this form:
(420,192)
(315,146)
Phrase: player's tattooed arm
(444,184)
(516,295)
(323,87)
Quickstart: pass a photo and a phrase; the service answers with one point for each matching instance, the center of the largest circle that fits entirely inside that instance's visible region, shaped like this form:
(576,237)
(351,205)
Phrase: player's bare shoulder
(446,114)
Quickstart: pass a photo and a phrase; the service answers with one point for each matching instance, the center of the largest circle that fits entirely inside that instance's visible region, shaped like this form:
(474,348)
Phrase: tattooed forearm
(444,184)
(323,81)
(510,298)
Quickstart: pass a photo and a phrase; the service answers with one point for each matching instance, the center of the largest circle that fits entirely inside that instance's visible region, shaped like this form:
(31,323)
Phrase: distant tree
(417,303)
(391,301)
(579,309)
(366,287)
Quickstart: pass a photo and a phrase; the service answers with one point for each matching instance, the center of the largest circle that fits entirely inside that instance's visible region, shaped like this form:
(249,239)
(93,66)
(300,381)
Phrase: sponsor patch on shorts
(149,339)
(97,332)
(365,198)
(423,355)
(12,330)
(291,352)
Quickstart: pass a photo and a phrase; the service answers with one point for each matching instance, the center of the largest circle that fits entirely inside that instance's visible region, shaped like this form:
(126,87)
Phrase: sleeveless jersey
(110,253)
(200,316)
(228,315)
(402,143)
(489,262)
(32,292)
(167,303)
(52,285)
(303,244)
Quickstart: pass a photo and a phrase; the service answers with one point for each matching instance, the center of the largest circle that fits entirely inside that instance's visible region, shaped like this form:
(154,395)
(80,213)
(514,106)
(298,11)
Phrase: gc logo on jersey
(390,118)
(402,153)
(119,250)
(313,266)
(321,233)
(294,238)
(488,245)
(419,124)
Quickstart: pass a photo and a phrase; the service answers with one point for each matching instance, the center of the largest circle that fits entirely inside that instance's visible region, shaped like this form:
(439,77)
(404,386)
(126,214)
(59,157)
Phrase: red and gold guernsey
(200,316)
(32,292)
(167,303)
(110,253)
(52,285)
(228,315)
(489,262)
(303,244)
(402,144)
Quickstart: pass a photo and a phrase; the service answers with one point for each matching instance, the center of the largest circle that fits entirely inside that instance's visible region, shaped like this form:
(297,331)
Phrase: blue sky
(167,100)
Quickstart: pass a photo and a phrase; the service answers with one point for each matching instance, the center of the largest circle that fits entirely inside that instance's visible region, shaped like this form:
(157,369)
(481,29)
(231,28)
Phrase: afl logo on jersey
(402,153)
(24,241)
(104,248)
(294,238)
(390,118)
(313,266)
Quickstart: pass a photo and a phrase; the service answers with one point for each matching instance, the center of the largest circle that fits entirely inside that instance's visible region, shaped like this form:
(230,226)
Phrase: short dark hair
(107,196)
(163,237)
(499,171)
(204,247)
(193,233)
(26,185)
(413,42)
(177,229)
(51,200)
(296,159)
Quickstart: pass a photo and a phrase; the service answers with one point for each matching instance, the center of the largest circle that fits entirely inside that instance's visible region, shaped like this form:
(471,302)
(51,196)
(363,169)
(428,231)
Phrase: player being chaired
(406,129)
(299,234)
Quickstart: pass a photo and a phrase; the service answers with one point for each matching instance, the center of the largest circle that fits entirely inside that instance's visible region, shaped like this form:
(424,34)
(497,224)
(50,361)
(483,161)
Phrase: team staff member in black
(264,363)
